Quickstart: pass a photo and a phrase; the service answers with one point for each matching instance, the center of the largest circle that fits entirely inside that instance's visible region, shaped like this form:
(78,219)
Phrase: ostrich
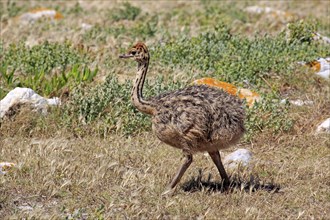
(194,119)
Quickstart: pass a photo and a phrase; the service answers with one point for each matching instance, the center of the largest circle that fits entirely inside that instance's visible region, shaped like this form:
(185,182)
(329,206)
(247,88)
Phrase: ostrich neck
(137,97)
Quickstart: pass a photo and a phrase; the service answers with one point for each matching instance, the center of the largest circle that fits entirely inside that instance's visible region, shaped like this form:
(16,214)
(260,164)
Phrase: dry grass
(60,175)
(119,177)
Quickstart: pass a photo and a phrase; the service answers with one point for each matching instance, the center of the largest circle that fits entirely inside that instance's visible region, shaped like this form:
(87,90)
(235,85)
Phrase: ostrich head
(139,52)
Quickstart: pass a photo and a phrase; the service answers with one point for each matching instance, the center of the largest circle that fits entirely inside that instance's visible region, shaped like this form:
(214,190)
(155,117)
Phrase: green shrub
(213,14)
(45,68)
(110,103)
(10,9)
(76,9)
(139,30)
(268,114)
(46,85)
(237,58)
(300,32)
(46,56)
(127,11)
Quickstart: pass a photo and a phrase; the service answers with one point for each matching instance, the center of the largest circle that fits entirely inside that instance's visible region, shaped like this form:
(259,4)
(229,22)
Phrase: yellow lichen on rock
(38,13)
(321,67)
(5,167)
(250,96)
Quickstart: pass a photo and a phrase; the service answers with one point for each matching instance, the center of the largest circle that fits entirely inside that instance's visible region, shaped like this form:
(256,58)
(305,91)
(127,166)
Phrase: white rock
(258,10)
(36,14)
(25,207)
(324,74)
(4,166)
(324,127)
(318,36)
(86,26)
(267,10)
(324,63)
(26,96)
(240,157)
(321,67)
(297,102)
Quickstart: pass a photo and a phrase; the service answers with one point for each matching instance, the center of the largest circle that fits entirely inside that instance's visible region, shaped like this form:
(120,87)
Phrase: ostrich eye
(133,52)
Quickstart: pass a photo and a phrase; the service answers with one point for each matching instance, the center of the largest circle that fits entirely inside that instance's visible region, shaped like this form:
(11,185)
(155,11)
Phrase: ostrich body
(195,119)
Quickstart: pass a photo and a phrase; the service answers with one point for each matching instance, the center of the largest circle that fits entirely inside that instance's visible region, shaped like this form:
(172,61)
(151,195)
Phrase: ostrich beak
(125,56)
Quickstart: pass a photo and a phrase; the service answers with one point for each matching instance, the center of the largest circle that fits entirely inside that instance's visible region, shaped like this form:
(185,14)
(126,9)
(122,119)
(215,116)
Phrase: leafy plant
(7,80)
(7,75)
(268,114)
(127,11)
(76,9)
(10,8)
(300,32)
(213,14)
(47,85)
(140,30)
(46,56)
(80,74)
(45,68)
(235,58)
(110,103)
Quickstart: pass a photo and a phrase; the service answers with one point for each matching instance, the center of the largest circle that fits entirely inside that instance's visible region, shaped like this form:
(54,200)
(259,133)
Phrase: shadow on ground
(253,184)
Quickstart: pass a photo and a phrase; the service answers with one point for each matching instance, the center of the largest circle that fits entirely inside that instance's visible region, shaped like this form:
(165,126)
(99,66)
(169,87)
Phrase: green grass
(109,103)
(45,68)
(46,57)
(127,12)
(234,58)
(10,9)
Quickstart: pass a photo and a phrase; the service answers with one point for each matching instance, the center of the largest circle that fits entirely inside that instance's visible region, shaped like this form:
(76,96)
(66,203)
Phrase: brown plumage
(195,119)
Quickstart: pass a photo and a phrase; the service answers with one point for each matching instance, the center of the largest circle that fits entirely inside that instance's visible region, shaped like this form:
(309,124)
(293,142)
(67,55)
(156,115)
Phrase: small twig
(266,81)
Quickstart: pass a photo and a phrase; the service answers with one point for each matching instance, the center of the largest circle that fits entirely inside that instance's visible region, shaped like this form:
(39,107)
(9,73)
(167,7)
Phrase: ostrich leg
(181,171)
(217,161)
(178,175)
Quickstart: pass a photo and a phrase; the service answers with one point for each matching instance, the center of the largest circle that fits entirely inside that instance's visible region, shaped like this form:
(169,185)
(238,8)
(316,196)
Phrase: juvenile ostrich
(195,119)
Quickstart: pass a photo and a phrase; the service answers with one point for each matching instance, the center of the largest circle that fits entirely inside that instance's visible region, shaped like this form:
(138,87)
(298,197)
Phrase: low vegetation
(45,68)
(95,157)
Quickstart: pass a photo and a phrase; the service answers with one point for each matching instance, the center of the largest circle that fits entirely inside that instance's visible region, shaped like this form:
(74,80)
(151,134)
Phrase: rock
(238,158)
(39,13)
(258,9)
(25,96)
(250,96)
(320,66)
(86,26)
(322,38)
(297,102)
(324,127)
(25,208)
(273,13)
(5,167)
(324,74)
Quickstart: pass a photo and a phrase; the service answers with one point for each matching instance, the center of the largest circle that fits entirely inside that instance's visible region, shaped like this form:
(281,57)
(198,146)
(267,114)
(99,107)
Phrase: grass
(94,157)
(120,177)
(45,68)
